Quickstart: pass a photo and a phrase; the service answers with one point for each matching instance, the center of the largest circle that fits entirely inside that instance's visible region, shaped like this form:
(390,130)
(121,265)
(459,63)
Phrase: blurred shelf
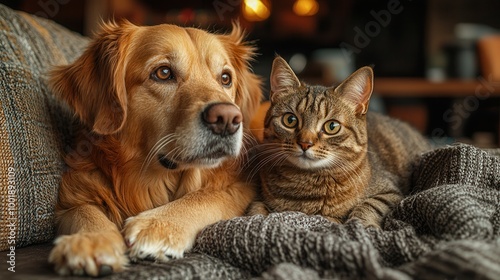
(420,87)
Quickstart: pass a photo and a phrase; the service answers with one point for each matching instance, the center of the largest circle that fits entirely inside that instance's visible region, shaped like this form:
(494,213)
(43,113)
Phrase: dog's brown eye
(163,73)
(226,80)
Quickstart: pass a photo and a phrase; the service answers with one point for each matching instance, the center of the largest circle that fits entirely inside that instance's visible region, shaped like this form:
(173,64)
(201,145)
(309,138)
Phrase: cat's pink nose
(305,145)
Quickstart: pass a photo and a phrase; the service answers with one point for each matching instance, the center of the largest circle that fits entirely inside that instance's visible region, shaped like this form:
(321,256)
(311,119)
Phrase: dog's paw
(91,253)
(159,236)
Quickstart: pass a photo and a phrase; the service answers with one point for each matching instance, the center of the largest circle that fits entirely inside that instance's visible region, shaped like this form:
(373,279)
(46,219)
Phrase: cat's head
(315,127)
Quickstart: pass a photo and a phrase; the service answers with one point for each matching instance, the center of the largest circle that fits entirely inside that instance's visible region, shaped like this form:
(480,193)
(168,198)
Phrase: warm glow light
(256,10)
(305,7)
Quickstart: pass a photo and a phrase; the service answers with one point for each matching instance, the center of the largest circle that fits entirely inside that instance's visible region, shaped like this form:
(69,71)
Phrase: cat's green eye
(289,120)
(331,127)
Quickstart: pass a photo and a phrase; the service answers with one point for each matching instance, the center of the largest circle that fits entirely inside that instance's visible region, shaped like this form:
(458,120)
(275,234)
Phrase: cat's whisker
(263,162)
(261,149)
(265,157)
(346,167)
(249,140)
(280,161)
(249,148)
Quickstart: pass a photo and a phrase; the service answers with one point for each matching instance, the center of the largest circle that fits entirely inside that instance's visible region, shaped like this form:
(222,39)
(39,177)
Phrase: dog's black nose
(222,118)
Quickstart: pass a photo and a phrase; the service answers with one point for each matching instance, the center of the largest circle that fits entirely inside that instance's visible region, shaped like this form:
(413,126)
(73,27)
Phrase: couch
(448,227)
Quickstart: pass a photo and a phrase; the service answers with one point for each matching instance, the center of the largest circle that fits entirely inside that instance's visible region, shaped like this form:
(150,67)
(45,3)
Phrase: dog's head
(176,96)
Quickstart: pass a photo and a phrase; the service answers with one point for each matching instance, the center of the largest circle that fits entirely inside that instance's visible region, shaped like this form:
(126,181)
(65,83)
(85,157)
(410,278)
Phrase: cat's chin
(308,163)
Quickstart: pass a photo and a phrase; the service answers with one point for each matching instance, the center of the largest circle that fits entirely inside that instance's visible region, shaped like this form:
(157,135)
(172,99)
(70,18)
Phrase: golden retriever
(163,111)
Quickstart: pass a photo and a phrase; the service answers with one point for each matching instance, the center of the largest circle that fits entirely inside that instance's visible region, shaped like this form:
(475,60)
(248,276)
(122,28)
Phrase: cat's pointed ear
(283,79)
(358,88)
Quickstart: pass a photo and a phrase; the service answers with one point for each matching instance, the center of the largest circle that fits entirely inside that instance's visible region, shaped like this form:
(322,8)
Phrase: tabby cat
(324,153)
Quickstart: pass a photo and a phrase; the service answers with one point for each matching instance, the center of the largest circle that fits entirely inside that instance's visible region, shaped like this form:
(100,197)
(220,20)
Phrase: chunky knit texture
(448,227)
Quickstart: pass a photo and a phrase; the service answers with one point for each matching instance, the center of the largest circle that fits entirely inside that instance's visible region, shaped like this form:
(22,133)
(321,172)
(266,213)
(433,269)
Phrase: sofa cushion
(34,129)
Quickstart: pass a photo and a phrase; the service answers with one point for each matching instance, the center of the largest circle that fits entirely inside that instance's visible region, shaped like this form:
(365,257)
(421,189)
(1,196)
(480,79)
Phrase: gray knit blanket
(448,227)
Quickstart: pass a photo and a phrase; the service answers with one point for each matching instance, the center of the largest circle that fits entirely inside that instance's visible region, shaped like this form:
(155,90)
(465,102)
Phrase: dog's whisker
(172,154)
(155,149)
(175,153)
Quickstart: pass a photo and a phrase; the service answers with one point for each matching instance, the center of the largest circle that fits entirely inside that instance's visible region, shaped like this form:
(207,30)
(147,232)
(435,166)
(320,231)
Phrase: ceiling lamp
(306,7)
(256,10)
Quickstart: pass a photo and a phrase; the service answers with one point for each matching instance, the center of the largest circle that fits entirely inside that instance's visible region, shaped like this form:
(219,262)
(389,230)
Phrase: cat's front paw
(90,253)
(367,220)
(257,208)
(335,220)
(155,234)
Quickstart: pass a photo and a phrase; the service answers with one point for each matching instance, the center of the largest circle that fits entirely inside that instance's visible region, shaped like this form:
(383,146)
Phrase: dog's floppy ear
(94,85)
(249,85)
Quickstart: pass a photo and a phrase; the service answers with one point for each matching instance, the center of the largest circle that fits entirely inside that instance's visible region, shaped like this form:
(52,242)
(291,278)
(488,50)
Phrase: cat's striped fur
(323,153)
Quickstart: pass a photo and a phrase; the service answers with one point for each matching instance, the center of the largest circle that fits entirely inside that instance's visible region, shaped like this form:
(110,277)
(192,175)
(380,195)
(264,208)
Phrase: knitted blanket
(449,227)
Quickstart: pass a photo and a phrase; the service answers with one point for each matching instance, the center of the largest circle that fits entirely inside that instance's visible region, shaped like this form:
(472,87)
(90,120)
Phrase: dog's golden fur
(116,196)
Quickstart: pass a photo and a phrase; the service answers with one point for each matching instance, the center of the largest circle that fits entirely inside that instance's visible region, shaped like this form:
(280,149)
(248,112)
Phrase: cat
(324,153)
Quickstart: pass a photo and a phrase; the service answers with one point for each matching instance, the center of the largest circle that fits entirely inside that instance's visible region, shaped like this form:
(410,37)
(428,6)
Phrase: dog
(164,111)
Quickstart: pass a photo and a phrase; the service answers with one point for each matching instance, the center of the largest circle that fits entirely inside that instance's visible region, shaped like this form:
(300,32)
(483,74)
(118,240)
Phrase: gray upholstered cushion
(33,129)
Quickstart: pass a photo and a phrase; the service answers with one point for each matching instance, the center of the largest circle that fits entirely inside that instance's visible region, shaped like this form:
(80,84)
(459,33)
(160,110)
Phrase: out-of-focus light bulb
(256,10)
(305,7)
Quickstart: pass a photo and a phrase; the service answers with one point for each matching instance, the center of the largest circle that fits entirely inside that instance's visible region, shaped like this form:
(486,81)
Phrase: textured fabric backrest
(34,130)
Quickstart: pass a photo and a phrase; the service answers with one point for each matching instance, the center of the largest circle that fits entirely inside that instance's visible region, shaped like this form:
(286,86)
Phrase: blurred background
(437,63)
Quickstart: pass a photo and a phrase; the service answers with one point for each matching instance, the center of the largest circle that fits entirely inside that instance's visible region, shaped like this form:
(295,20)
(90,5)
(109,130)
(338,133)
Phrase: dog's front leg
(89,244)
(170,230)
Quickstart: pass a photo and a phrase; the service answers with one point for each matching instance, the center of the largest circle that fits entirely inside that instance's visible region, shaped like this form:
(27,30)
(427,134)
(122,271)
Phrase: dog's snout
(222,118)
